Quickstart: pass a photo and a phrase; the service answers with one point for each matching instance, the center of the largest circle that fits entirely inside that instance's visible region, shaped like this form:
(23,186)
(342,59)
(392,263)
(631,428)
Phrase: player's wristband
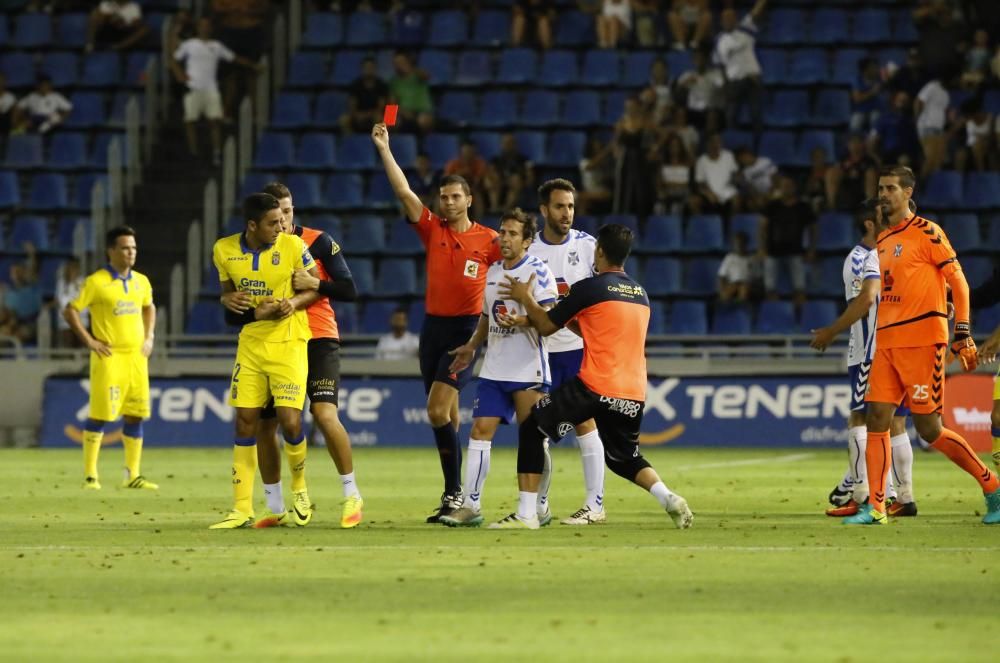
(962,329)
(240,319)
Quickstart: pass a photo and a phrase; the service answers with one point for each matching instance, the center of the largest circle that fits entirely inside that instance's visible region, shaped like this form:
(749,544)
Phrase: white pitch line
(787,458)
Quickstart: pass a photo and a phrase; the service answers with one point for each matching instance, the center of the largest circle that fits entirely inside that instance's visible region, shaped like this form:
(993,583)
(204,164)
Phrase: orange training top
(322,319)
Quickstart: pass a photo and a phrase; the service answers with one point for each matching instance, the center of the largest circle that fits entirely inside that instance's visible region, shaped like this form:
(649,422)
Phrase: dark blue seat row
(105,69)
(64,150)
(44,234)
(49,191)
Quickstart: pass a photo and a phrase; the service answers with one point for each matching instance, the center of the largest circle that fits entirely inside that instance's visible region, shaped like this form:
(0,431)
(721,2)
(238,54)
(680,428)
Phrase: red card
(390,114)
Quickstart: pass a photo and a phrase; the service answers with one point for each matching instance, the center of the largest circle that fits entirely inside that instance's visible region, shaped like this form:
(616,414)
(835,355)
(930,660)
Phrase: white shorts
(622,11)
(198,103)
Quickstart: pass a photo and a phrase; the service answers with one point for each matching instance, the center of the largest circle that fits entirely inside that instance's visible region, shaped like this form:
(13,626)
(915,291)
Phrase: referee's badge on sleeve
(471,269)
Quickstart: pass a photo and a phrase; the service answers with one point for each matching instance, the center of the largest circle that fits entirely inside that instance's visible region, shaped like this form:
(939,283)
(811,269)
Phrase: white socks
(662,494)
(349,485)
(275,500)
(543,487)
(857,442)
(592,455)
(526,505)
(902,466)
(477,466)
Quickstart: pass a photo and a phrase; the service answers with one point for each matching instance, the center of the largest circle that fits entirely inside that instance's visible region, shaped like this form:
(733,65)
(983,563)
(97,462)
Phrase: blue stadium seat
(667,280)
(472,69)
(566,148)
(418,313)
(439,65)
(982,191)
(4,30)
(328,223)
(62,67)
(365,234)
(67,151)
(963,233)
(991,101)
(731,320)
(206,317)
(832,108)
(19,69)
(404,148)
(787,108)
(978,270)
(835,232)
(255,182)
(943,190)
(102,70)
(71,30)
(497,109)
(346,67)
(323,30)
(10,192)
(380,194)
(987,318)
(817,313)
(774,65)
(701,276)
(450,27)
(375,319)
(586,223)
(903,28)
(559,69)
(688,318)
(32,30)
(679,61)
(66,231)
(329,107)
(517,66)
(532,145)
(829,26)
(366,28)
(344,190)
(347,316)
(291,111)
(48,273)
(24,151)
(614,106)
(775,317)
(583,109)
(458,108)
(274,151)
(135,68)
(601,68)
(540,109)
(871,26)
(808,66)
(778,146)
(441,148)
(403,240)
(210,284)
(635,71)
(99,152)
(657,318)
(845,65)
(810,140)
(307,190)
(487,143)
(397,276)
(363,271)
(575,29)
(703,234)
(736,138)
(630,221)
(356,152)
(30,229)
(48,192)
(492,28)
(83,191)
(747,224)
(820,284)
(409,27)
(316,151)
(784,26)
(119,102)
(306,69)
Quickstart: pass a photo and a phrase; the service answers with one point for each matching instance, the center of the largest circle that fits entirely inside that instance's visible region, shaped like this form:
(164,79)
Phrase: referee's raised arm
(411,203)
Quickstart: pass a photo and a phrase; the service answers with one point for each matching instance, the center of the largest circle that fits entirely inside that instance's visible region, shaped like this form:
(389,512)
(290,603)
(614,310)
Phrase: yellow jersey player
(122,318)
(271,357)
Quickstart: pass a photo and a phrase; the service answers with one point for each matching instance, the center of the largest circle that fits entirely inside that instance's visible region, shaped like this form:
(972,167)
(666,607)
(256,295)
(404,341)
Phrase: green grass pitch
(762,575)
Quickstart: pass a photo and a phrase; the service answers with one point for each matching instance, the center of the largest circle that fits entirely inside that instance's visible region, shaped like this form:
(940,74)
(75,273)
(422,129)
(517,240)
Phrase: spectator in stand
(910,77)
(942,38)
(42,110)
(509,175)
(977,60)
(894,138)
(647,20)
(410,90)
(674,184)
(755,179)
(597,175)
(69,282)
(702,90)
(201,56)
(690,23)
(680,126)
(7,103)
(634,179)
(614,23)
(714,176)
(814,182)
(853,179)
(734,51)
(662,87)
(978,138)
(424,181)
(400,343)
(116,24)
(473,168)
(780,234)
(366,99)
(734,272)
(22,301)
(931,110)
(866,96)
(539,14)
(245,29)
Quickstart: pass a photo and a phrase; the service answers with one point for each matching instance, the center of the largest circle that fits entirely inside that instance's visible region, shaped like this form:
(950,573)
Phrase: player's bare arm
(409,200)
(464,354)
(72,318)
(520,292)
(237,301)
(857,309)
(266,309)
(303,299)
(988,351)
(149,329)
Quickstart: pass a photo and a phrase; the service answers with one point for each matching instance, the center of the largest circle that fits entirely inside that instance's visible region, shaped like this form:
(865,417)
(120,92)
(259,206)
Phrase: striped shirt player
(860,265)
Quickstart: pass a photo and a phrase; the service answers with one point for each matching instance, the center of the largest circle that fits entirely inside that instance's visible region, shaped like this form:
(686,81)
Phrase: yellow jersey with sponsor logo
(265,274)
(115,304)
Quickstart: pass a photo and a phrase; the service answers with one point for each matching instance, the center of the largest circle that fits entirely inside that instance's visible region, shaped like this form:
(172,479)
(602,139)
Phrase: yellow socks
(295,452)
(244,472)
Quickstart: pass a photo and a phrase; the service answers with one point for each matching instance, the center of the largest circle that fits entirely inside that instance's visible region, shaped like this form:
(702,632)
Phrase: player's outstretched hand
(303,280)
(463,356)
(822,338)
(519,291)
(100,347)
(380,135)
(988,352)
(237,302)
(964,349)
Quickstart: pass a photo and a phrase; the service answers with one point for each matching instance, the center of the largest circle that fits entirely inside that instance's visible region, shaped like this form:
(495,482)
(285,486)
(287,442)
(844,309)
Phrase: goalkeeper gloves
(963,347)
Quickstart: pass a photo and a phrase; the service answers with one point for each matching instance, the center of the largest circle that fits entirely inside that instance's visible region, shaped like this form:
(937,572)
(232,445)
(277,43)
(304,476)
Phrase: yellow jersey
(116,304)
(265,274)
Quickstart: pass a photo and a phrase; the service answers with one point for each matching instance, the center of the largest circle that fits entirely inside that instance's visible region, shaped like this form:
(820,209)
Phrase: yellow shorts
(265,369)
(119,385)
(996,386)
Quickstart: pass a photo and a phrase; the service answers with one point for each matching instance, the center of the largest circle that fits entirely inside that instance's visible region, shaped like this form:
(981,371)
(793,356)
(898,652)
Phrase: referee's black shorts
(323,381)
(438,336)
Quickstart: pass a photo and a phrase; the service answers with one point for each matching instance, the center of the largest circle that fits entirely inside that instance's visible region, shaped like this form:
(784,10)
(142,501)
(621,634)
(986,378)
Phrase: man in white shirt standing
(41,110)
(400,343)
(931,110)
(714,174)
(201,56)
(734,52)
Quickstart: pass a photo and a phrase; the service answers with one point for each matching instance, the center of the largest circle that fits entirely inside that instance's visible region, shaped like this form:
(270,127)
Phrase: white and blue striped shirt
(861,264)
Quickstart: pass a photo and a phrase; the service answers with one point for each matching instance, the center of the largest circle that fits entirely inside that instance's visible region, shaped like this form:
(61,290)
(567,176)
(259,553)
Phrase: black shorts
(618,419)
(438,336)
(323,381)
